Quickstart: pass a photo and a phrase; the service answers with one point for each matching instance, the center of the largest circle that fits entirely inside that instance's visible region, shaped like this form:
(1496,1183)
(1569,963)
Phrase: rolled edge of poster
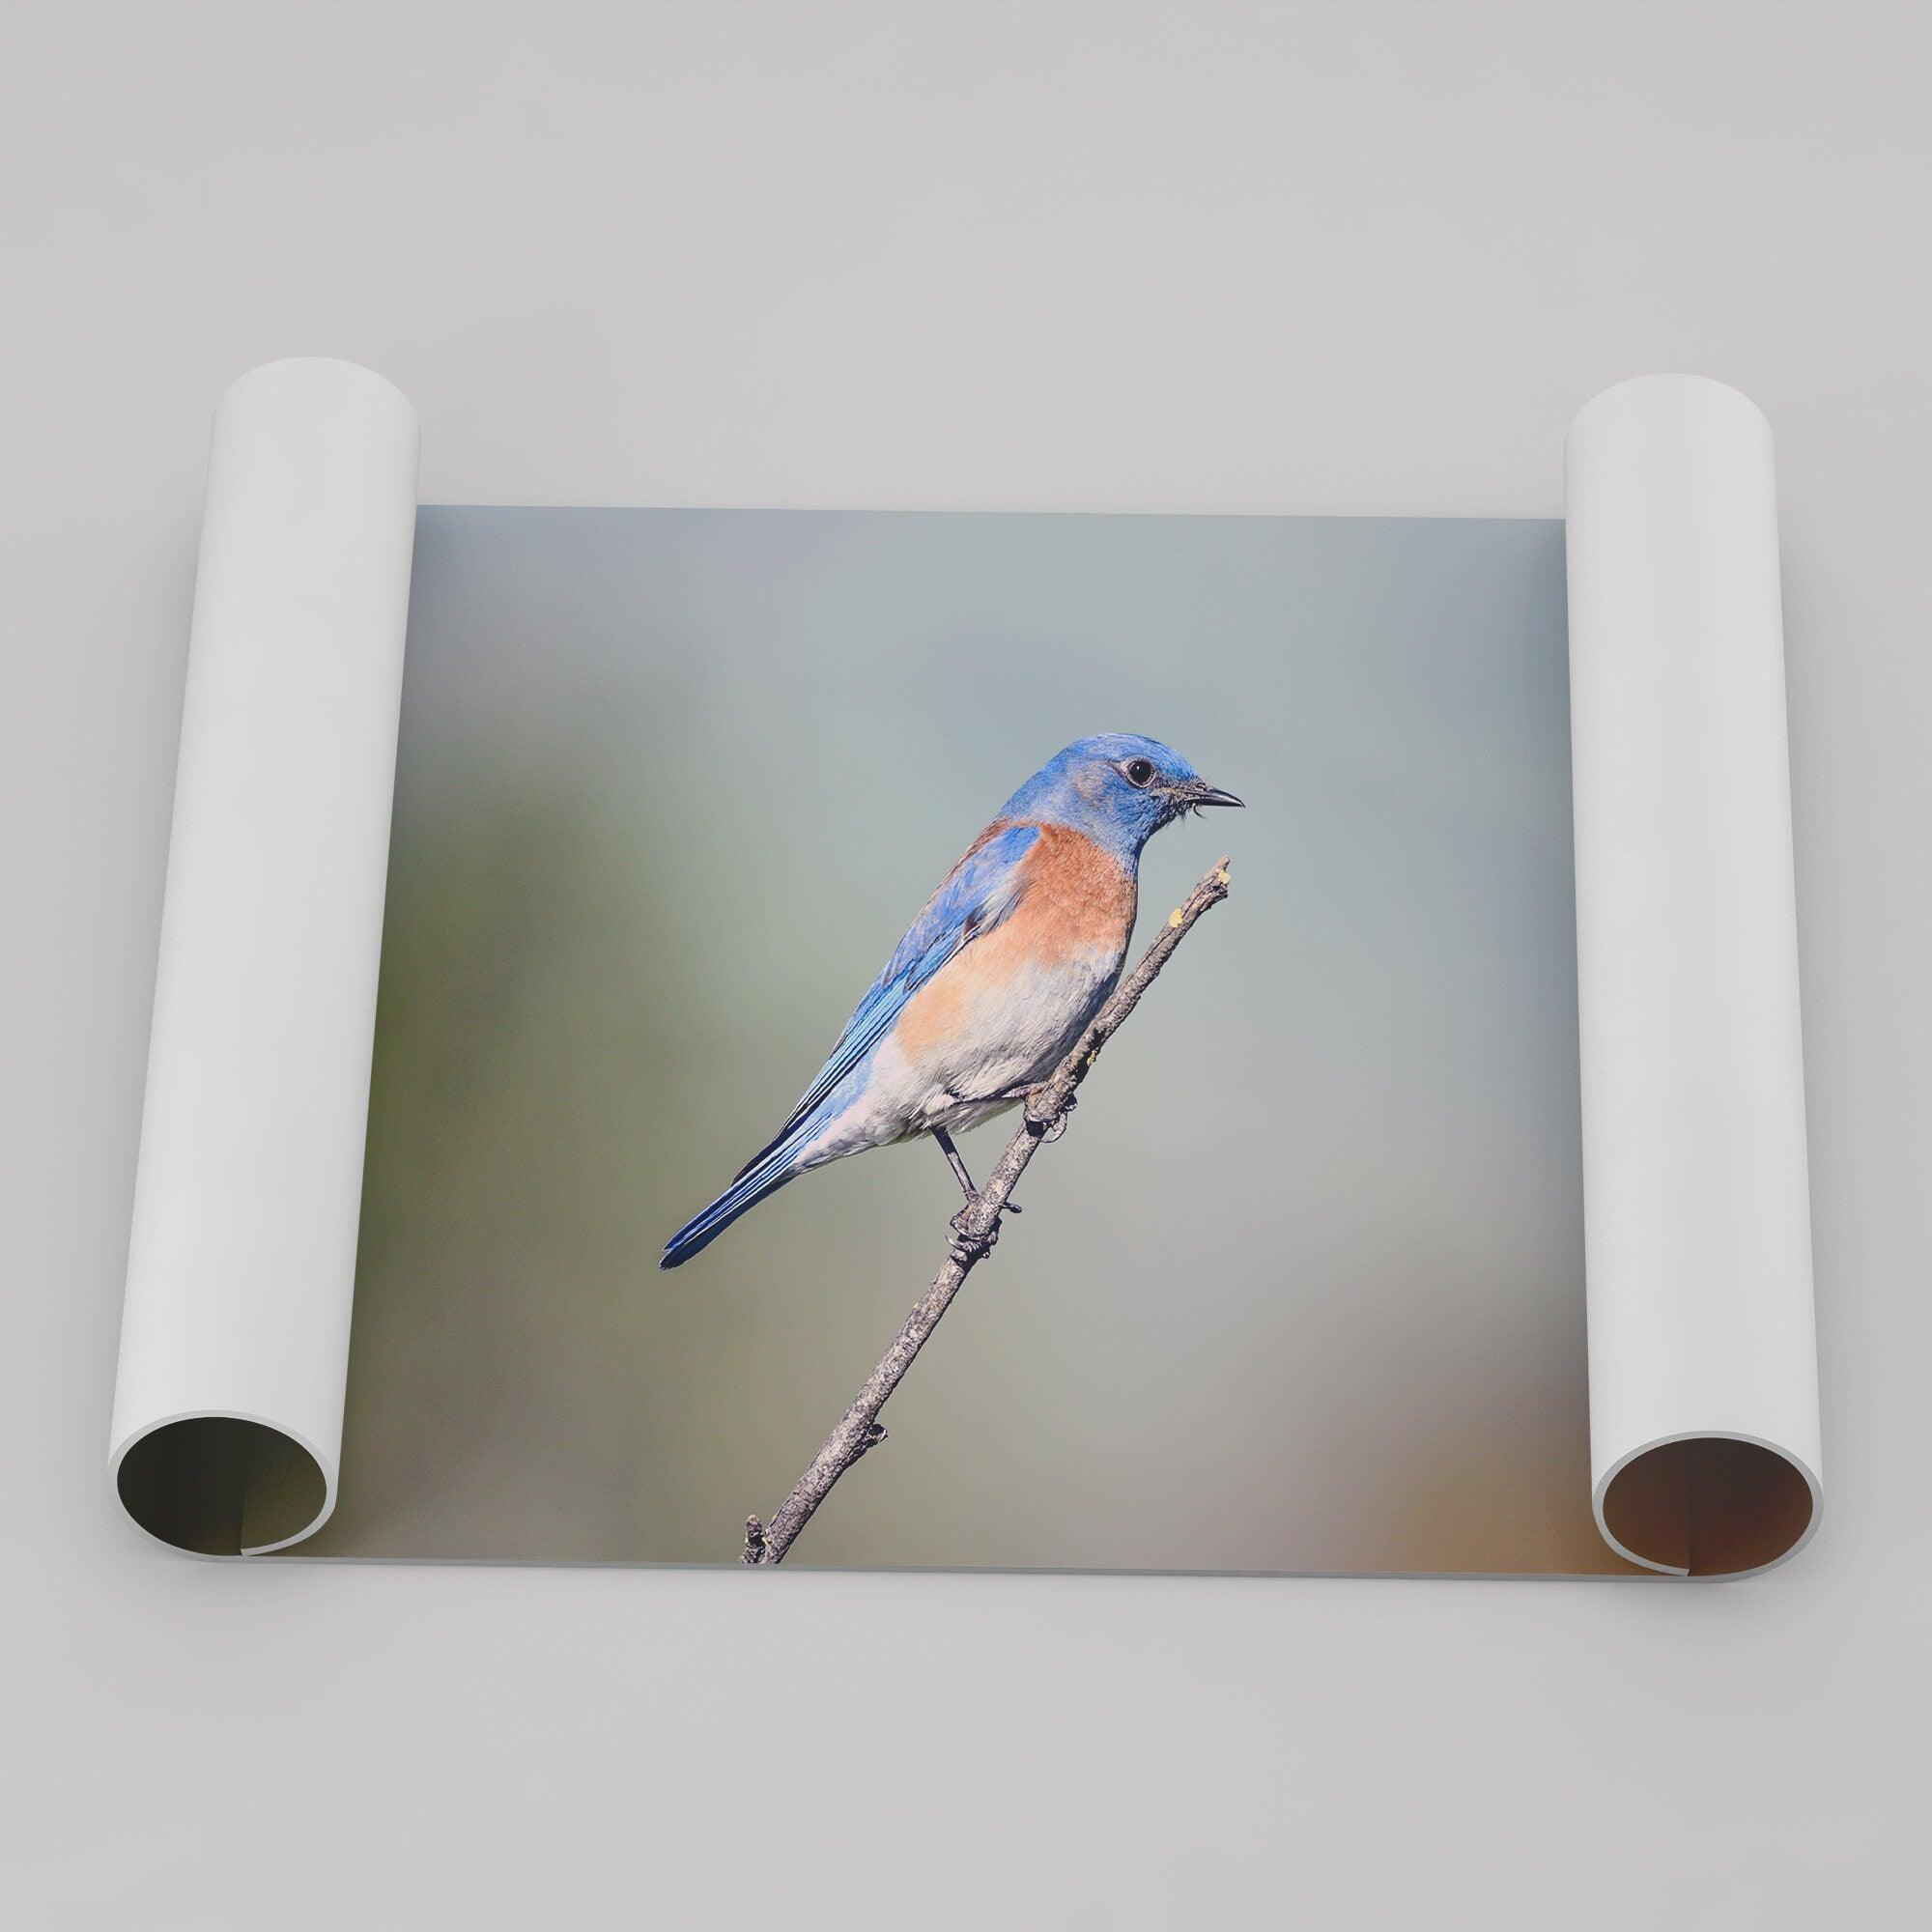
(227,1428)
(1704,1429)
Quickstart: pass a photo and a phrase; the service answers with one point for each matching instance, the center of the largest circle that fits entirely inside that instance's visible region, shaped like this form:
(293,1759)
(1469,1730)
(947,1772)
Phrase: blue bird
(994,980)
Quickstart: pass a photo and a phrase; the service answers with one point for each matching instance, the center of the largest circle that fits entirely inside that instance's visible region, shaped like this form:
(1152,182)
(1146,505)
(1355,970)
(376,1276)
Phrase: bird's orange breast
(1075,914)
(1077,897)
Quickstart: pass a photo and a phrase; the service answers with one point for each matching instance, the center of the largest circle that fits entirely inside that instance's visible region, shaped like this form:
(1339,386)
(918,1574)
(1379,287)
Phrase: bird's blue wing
(978,893)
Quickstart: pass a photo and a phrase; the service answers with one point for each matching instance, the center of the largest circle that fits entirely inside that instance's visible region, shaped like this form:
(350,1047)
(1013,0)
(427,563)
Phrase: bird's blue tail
(765,1175)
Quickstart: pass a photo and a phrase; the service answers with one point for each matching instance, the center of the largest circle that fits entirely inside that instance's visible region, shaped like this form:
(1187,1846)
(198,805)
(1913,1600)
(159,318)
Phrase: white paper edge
(1697,1205)
(241,1257)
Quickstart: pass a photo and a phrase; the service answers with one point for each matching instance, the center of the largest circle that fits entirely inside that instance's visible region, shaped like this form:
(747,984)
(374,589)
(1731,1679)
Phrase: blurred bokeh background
(1302,1286)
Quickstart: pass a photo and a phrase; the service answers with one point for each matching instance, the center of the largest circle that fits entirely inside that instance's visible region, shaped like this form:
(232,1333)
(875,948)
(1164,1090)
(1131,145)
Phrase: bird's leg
(1049,1127)
(959,1173)
(965,1247)
(954,1161)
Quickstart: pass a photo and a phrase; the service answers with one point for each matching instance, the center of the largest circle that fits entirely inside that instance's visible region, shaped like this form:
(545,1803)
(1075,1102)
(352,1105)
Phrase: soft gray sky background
(1301,1290)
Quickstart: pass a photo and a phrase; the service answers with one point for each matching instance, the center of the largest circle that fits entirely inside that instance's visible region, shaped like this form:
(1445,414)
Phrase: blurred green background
(1302,1286)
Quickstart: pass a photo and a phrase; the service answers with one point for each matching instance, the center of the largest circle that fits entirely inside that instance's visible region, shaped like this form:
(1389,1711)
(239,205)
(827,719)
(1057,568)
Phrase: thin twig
(974,1230)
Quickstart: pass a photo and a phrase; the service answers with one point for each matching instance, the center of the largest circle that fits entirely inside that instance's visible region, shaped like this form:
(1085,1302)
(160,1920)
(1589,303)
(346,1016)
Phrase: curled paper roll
(1703,1375)
(1703,1415)
(227,1427)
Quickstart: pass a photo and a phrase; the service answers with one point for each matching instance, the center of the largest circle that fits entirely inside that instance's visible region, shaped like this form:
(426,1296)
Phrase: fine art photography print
(763,886)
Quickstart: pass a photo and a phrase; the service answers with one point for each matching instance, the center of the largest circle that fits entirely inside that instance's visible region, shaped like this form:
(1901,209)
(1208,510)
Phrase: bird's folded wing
(978,893)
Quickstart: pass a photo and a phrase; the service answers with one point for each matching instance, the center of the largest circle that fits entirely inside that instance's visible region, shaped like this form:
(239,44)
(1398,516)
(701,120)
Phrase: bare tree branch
(976,1228)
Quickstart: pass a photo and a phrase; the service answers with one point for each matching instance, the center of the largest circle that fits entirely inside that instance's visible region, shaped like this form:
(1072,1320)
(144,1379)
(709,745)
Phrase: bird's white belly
(1003,1039)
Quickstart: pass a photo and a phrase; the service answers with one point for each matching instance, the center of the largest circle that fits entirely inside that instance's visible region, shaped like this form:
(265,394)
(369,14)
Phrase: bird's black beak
(1199,794)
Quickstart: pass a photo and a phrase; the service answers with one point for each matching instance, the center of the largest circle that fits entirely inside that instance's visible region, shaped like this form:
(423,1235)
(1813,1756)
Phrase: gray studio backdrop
(1300,1290)
(1150,257)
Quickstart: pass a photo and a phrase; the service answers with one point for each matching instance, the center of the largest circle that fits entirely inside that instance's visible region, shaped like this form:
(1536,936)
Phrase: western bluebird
(996,979)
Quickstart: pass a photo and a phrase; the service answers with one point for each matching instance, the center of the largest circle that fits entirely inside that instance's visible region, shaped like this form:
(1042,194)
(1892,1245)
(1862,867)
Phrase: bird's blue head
(1118,788)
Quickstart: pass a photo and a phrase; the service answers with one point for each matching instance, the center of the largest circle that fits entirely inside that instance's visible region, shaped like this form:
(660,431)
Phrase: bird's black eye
(1139,771)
